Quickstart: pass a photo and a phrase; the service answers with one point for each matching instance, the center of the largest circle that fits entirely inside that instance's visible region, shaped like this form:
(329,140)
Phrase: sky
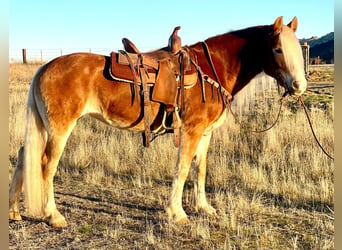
(79,24)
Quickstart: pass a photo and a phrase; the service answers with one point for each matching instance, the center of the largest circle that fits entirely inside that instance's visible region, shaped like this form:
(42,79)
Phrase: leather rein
(300,99)
(228,99)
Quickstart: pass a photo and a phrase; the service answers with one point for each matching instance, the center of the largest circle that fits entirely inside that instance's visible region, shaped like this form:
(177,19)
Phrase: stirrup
(179,122)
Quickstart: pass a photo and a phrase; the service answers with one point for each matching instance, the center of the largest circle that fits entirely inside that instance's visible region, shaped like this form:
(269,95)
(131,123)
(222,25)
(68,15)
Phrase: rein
(312,130)
(263,130)
(300,99)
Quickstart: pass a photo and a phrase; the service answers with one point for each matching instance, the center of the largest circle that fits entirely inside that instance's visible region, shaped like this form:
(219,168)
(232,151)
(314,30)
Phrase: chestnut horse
(72,86)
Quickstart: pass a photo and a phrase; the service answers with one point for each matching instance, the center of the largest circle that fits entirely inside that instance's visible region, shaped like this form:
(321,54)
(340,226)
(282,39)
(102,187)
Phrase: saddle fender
(166,87)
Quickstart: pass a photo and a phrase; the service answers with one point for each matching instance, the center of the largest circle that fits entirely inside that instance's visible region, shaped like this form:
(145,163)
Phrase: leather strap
(182,87)
(147,106)
(135,77)
(176,129)
(205,46)
(226,96)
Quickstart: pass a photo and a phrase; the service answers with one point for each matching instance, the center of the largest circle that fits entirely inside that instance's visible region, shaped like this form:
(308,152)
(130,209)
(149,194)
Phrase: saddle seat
(155,55)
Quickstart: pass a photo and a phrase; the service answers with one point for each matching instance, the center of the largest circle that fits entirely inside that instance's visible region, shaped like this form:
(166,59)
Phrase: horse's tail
(34,151)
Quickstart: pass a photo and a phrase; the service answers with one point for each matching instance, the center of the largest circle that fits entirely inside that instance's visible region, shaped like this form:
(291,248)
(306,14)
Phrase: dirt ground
(98,218)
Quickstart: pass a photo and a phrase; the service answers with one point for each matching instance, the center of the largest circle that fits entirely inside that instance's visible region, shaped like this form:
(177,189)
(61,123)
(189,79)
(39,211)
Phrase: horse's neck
(242,55)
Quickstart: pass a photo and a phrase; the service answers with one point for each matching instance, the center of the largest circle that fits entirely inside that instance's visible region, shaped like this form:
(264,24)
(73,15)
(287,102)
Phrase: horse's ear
(278,25)
(293,24)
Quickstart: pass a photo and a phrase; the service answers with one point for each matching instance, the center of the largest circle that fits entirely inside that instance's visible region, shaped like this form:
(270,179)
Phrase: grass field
(272,191)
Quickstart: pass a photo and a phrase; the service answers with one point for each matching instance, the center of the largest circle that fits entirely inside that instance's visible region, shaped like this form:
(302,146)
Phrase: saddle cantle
(129,46)
(168,70)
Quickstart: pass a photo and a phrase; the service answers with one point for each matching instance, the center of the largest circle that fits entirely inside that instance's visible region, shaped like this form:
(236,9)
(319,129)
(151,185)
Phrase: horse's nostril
(295,84)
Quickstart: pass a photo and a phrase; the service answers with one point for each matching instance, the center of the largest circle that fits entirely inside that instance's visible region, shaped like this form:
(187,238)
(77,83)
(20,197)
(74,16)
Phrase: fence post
(306,55)
(24,56)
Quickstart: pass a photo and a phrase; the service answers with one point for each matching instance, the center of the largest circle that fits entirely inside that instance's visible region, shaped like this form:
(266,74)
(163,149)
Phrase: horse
(71,86)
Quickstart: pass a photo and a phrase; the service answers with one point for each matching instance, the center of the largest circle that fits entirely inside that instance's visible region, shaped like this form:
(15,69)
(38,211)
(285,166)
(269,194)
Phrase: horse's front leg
(187,149)
(199,175)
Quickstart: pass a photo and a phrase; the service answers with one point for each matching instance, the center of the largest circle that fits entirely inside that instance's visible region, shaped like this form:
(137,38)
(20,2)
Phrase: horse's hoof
(179,218)
(208,210)
(14,215)
(182,221)
(58,223)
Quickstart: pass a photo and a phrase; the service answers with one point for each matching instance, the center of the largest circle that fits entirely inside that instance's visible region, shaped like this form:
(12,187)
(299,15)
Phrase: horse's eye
(278,50)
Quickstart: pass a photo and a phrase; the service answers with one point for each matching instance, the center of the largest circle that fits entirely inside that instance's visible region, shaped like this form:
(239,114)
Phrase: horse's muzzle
(297,88)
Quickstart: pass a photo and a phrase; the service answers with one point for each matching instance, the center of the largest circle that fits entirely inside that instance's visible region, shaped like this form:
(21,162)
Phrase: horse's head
(286,62)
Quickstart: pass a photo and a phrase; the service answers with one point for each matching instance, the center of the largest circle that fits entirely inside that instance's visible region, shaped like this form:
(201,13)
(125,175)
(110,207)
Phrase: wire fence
(45,55)
(327,67)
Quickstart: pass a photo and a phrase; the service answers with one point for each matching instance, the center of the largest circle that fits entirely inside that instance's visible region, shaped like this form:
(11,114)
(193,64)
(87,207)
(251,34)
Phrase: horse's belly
(119,122)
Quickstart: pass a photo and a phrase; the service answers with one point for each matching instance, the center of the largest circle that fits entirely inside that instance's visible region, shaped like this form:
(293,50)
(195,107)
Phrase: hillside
(321,48)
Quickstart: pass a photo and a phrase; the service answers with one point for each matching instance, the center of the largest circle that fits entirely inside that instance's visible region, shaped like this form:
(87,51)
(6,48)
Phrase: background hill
(321,48)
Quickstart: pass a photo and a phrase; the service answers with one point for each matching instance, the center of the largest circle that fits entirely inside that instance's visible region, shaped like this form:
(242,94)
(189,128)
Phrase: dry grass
(321,74)
(272,190)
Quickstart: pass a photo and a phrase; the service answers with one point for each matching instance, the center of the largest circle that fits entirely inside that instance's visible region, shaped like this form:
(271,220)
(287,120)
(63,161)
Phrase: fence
(323,67)
(45,55)
(306,55)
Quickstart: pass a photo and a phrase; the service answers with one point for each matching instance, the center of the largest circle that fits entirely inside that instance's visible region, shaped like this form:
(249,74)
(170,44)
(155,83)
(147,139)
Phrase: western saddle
(158,76)
(162,76)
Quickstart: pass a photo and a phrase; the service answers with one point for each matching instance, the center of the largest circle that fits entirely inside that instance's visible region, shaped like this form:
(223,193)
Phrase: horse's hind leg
(199,173)
(16,187)
(54,149)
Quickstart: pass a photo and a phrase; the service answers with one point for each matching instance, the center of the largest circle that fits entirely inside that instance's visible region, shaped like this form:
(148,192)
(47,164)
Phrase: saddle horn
(175,42)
